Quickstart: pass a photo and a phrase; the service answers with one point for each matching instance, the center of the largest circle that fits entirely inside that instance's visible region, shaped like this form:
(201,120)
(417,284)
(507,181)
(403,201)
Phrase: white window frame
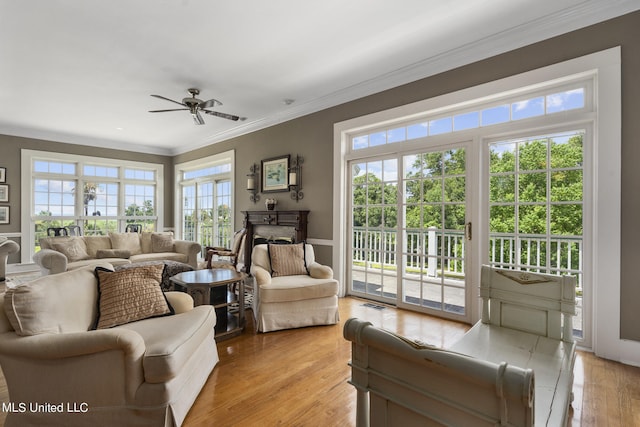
(27,173)
(180,168)
(604,264)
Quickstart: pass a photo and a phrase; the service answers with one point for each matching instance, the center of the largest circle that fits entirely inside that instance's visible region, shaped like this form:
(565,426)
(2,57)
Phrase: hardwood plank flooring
(299,377)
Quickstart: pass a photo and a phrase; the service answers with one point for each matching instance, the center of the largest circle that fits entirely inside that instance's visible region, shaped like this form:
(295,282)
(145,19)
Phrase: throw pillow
(113,253)
(95,243)
(128,241)
(145,239)
(130,295)
(161,243)
(73,249)
(287,260)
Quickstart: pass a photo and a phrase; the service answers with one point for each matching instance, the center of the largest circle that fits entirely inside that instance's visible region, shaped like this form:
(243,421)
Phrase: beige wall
(312,137)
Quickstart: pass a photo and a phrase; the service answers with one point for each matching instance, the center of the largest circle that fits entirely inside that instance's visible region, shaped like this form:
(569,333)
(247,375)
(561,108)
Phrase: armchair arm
(180,301)
(103,368)
(263,277)
(319,271)
(59,346)
(50,261)
(190,249)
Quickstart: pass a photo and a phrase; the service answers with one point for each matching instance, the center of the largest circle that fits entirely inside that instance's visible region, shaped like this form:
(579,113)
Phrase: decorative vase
(270,204)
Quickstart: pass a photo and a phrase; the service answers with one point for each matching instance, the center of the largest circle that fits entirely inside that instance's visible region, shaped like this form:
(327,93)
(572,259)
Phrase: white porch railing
(432,252)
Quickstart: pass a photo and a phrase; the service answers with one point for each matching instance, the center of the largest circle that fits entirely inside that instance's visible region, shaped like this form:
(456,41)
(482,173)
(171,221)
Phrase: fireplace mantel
(296,220)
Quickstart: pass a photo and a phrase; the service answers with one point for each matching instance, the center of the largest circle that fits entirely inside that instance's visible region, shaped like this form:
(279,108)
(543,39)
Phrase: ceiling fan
(195,106)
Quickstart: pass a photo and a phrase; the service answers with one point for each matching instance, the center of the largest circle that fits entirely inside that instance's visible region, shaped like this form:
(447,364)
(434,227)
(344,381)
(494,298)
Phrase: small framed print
(4,193)
(4,214)
(3,174)
(275,174)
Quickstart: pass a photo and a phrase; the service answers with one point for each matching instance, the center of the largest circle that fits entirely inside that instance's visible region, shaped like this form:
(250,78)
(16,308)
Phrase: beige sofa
(58,254)
(148,372)
(285,298)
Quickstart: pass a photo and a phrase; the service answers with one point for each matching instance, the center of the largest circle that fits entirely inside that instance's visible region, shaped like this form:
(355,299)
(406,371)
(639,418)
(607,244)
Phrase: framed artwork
(4,193)
(275,174)
(3,174)
(4,214)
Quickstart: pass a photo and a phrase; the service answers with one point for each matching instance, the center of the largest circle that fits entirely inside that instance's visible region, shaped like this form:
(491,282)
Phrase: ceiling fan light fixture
(195,105)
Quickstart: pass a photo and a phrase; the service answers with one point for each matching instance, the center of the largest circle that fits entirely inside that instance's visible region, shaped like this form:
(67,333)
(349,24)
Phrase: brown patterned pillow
(130,295)
(287,260)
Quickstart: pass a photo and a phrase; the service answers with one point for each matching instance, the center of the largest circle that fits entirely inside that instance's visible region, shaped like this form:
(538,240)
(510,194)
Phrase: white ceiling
(82,72)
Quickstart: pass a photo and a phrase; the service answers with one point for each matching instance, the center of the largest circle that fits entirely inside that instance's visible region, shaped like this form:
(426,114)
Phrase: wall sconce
(295,178)
(253,183)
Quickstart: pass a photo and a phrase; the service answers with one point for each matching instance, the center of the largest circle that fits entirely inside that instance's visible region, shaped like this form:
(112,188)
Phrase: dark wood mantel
(292,219)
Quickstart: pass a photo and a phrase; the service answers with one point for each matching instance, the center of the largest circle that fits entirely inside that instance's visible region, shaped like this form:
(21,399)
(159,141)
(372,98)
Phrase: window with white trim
(100,195)
(204,200)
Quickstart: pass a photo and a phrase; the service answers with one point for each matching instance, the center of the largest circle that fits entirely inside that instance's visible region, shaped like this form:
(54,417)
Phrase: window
(204,202)
(554,101)
(98,194)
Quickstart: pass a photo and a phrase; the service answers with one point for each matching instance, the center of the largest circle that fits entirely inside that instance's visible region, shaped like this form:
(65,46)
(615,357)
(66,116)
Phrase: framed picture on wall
(4,193)
(275,174)
(3,174)
(4,214)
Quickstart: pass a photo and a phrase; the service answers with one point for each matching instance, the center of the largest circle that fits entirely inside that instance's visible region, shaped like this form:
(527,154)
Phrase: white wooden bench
(514,367)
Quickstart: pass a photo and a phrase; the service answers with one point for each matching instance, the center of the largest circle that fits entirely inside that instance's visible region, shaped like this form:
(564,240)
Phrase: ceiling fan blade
(197,118)
(167,99)
(210,103)
(223,115)
(164,111)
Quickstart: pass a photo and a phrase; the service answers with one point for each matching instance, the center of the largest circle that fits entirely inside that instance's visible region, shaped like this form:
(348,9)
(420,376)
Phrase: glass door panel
(435,216)
(536,207)
(374,219)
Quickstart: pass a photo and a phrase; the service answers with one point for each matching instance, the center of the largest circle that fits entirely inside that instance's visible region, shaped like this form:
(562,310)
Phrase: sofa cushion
(93,263)
(129,295)
(160,256)
(127,241)
(171,341)
(161,243)
(53,304)
(73,248)
(297,288)
(95,243)
(287,260)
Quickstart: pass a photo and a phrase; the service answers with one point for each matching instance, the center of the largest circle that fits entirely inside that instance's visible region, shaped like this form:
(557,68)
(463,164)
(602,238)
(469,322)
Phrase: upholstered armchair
(291,289)
(7,247)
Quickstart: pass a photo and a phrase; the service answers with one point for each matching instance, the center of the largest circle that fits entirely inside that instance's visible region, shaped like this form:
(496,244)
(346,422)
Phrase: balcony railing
(433,252)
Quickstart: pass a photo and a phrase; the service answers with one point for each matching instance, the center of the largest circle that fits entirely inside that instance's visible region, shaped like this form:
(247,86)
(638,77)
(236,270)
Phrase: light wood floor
(299,377)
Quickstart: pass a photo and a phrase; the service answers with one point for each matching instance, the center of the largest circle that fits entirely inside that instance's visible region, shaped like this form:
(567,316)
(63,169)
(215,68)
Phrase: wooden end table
(215,287)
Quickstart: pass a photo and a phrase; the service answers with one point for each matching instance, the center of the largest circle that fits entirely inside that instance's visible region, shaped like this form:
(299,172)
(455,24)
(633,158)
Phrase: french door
(409,226)
(206,212)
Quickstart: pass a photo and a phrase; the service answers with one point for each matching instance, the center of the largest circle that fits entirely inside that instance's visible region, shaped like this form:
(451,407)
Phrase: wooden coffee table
(216,287)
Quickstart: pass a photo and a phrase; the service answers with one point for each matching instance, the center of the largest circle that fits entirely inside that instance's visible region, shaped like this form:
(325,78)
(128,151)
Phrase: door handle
(468,231)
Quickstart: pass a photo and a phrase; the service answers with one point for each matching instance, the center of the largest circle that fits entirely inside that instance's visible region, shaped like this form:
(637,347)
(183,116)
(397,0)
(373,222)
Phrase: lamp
(295,178)
(252,183)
